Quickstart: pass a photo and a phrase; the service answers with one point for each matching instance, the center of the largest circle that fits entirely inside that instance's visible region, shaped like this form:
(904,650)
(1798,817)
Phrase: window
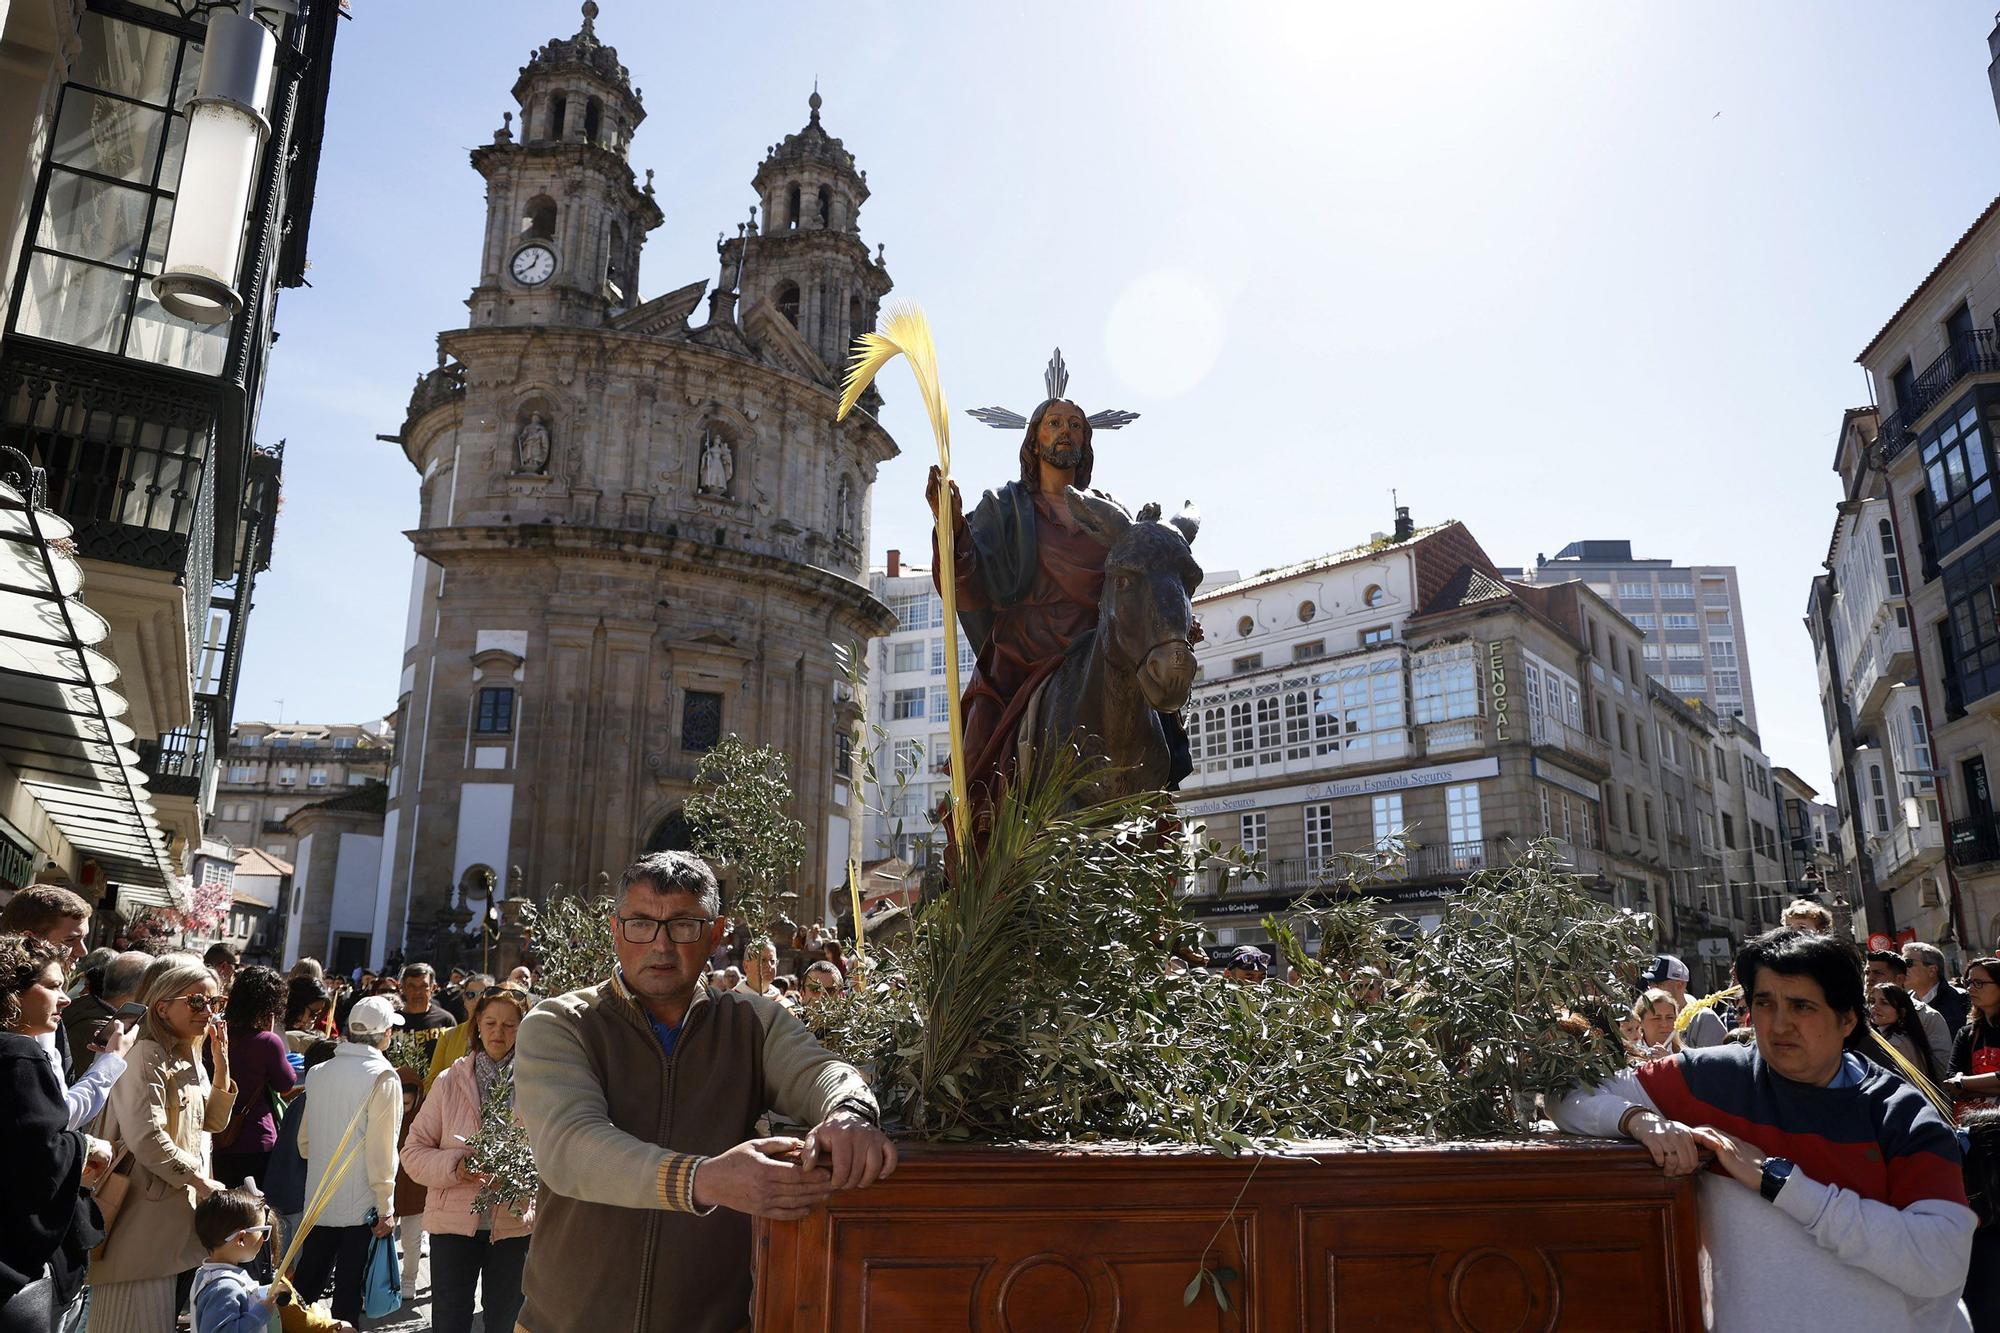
(1307,611)
(496,710)
(1892,568)
(1719,623)
(938,704)
(788,302)
(1644,621)
(1250,662)
(249,742)
(1242,736)
(1678,622)
(1920,748)
(918,610)
(343,743)
(1651,652)
(1461,817)
(1319,835)
(288,777)
(701,720)
(937,657)
(1252,829)
(1445,683)
(1959,488)
(1374,596)
(1649,818)
(1684,652)
(1639,592)
(1386,815)
(1306,652)
(114,167)
(1878,796)
(1729,682)
(1610,808)
(1269,736)
(907,657)
(1687,684)
(1677,591)
(906,758)
(1624,737)
(1721,652)
(316,778)
(241,773)
(281,742)
(1379,634)
(1245,626)
(1548,826)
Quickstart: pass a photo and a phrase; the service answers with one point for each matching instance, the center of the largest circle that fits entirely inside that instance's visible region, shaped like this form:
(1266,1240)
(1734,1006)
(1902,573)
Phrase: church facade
(641,528)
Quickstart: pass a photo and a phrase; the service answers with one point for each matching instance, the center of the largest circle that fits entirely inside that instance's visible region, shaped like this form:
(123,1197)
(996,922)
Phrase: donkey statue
(1117,680)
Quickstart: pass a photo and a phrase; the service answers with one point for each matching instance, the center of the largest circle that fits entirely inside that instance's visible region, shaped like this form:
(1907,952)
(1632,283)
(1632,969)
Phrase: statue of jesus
(1028,579)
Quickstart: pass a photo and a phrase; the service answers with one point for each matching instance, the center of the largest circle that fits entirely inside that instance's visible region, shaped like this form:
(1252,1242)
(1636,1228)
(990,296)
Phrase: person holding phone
(117,985)
(163,1112)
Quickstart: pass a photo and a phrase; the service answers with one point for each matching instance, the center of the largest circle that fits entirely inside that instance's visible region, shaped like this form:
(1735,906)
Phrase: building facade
(1935,371)
(136,428)
(1394,718)
(270,769)
(639,533)
(1692,616)
(909,729)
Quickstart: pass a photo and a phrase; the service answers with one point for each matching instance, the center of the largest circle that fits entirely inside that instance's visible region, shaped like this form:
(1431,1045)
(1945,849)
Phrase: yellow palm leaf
(906,333)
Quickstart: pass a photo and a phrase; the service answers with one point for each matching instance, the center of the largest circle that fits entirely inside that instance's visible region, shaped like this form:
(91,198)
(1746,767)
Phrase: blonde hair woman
(1656,1012)
(163,1110)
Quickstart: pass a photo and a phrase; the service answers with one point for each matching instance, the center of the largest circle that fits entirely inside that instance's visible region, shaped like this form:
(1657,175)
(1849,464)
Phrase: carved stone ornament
(843,510)
(533,447)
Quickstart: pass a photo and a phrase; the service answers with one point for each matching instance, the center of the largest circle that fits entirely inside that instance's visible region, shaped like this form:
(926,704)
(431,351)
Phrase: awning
(59,727)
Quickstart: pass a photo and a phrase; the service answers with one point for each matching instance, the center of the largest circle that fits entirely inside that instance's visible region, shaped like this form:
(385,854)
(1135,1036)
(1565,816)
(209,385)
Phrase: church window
(496,711)
(701,720)
(593,119)
(825,207)
(614,265)
(539,218)
(855,317)
(558,114)
(792,207)
(788,302)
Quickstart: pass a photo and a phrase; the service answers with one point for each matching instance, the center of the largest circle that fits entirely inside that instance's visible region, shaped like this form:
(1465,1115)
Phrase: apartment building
(271,769)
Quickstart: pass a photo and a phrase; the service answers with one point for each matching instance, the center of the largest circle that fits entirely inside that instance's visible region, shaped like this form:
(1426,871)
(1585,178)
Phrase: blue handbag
(382,1280)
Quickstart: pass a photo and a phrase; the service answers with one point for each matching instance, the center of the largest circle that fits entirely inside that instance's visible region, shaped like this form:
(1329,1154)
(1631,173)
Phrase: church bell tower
(807,258)
(565,218)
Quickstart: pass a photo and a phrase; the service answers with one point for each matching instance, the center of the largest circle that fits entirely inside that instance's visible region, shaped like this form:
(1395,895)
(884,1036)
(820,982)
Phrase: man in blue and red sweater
(1834,1197)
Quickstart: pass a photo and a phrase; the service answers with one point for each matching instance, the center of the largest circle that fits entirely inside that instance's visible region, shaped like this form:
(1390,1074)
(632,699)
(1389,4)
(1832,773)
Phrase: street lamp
(225,139)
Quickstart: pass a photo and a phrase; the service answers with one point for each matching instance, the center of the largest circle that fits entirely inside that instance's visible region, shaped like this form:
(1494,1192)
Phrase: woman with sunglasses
(163,1111)
(1975,1056)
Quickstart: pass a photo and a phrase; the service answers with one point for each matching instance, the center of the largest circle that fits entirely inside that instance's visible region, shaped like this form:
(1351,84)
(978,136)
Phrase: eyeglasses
(1974,983)
(680,929)
(203,1004)
(259,1232)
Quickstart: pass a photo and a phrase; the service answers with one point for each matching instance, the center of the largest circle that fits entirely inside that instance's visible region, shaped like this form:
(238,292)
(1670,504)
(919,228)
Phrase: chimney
(895,564)
(1403,525)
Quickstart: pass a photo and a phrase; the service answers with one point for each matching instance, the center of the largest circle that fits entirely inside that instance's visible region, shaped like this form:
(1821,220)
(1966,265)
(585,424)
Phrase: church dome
(812,152)
(563,59)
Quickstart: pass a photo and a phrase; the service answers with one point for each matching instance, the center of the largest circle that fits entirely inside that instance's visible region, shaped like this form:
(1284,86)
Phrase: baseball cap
(373,1016)
(1665,967)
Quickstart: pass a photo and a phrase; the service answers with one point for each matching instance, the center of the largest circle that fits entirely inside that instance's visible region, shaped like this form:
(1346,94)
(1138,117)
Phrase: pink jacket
(448,1117)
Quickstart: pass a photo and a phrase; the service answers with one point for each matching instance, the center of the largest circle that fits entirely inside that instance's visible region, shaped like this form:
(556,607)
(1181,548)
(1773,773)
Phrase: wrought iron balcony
(178,762)
(1975,839)
(1971,353)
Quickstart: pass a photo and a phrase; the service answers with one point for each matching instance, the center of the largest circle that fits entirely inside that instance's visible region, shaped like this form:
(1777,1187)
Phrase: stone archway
(671,834)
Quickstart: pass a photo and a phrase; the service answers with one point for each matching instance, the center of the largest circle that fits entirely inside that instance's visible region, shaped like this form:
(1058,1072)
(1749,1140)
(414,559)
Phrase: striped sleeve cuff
(675,1185)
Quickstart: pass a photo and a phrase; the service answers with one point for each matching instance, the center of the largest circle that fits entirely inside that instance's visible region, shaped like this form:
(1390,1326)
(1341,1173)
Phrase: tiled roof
(257,861)
(1936,269)
(1470,586)
(1324,562)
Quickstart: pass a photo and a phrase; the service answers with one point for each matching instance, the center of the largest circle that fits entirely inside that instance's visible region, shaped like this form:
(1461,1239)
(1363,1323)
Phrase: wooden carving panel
(1488,1238)
(1077,1271)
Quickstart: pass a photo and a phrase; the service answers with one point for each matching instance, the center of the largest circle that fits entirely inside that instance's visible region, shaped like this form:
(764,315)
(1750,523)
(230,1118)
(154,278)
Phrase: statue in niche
(718,463)
(534,445)
(843,510)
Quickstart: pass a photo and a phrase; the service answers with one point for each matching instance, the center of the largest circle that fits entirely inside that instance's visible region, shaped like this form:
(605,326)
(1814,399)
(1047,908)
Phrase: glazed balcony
(1903,848)
(1885,659)
(1456,736)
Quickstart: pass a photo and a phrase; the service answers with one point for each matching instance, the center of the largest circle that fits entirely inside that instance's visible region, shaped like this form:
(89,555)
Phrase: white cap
(373,1016)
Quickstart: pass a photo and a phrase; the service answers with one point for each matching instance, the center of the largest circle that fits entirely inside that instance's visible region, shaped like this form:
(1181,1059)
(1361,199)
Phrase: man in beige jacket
(640,1097)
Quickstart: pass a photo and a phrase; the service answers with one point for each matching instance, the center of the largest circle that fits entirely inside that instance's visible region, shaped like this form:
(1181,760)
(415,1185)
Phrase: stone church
(641,528)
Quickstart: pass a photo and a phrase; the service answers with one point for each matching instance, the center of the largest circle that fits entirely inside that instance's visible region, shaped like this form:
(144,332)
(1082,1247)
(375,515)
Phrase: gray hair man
(1929,984)
(641,1096)
(360,1087)
(116,984)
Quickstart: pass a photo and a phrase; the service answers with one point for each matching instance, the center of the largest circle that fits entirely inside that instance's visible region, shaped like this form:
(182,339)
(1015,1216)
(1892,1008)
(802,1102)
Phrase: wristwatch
(1777,1170)
(858,1107)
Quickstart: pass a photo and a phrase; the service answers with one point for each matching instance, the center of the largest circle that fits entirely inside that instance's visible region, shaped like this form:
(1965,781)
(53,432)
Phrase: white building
(908,740)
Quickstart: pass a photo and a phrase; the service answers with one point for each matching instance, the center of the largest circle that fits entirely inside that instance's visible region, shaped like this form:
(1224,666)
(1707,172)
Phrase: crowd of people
(206,1143)
(211,1143)
(1839,1107)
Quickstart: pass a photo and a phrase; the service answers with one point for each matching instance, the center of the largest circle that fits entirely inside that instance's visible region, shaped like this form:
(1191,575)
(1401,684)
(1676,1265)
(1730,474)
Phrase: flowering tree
(209,909)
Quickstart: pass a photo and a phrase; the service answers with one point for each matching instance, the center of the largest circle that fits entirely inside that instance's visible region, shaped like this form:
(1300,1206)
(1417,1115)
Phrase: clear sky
(1561,271)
